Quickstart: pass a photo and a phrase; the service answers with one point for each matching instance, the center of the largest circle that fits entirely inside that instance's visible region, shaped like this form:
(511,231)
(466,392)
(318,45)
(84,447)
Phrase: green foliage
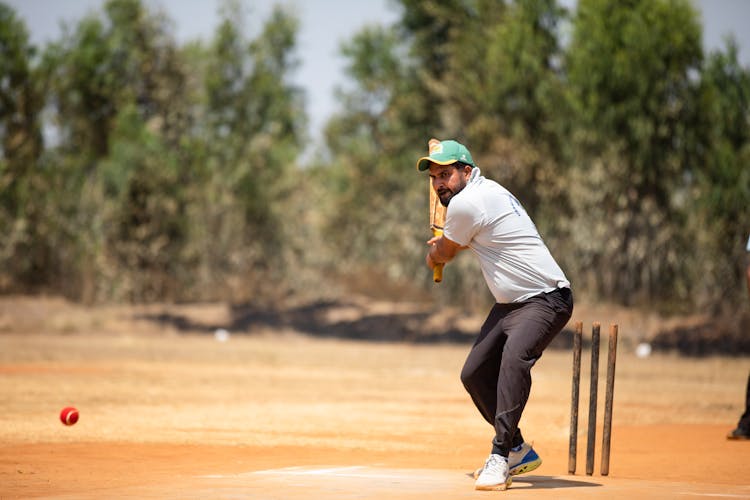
(162,181)
(518,107)
(252,132)
(171,172)
(370,182)
(21,101)
(631,71)
(721,177)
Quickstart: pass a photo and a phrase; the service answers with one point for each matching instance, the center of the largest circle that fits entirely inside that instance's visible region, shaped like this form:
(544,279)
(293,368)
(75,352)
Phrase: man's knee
(468,376)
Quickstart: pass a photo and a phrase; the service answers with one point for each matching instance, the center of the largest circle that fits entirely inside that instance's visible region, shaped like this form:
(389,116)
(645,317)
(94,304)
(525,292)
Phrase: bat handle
(437,271)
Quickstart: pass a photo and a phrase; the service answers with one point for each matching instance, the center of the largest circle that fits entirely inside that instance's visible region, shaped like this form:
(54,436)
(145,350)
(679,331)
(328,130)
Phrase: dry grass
(289,389)
(164,403)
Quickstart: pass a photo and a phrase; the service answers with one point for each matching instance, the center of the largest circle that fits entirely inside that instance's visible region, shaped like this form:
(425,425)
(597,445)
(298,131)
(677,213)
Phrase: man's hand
(431,263)
(442,250)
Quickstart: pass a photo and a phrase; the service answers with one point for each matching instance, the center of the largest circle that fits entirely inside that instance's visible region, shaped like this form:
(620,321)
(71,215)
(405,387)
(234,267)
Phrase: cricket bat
(437,223)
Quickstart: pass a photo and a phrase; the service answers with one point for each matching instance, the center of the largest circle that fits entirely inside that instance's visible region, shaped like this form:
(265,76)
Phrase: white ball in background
(643,350)
(221,335)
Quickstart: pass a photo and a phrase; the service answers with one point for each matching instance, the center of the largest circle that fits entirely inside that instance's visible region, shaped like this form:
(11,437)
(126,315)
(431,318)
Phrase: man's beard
(445,196)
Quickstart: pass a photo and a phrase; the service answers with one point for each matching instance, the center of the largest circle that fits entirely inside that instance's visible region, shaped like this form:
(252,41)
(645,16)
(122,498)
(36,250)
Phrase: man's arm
(442,250)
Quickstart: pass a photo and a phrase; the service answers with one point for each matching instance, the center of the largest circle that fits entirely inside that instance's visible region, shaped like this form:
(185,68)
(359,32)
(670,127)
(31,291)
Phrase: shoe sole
(524,468)
(495,487)
(518,469)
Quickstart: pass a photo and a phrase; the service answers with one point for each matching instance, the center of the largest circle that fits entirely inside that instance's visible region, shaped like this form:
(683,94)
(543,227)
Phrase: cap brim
(424,162)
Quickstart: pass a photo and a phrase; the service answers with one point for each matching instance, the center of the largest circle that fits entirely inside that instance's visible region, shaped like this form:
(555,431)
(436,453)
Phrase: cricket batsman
(532,294)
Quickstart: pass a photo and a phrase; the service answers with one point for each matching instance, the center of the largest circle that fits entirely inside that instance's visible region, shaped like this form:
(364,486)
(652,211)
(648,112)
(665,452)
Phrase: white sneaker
(519,462)
(494,475)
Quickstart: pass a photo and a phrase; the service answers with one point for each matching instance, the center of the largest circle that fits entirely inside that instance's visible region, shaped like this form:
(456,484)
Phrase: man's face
(448,180)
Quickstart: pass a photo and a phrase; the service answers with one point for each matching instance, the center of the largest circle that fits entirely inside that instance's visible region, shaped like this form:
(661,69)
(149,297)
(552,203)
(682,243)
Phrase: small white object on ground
(643,350)
(221,335)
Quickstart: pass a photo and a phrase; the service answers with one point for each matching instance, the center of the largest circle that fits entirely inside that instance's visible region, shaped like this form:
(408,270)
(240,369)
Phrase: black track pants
(744,423)
(497,372)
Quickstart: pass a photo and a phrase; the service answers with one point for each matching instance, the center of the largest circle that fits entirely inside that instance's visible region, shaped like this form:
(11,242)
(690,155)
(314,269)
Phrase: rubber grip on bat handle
(437,270)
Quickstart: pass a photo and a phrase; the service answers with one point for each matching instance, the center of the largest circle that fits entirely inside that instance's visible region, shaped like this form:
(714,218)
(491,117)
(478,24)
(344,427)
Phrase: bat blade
(437,223)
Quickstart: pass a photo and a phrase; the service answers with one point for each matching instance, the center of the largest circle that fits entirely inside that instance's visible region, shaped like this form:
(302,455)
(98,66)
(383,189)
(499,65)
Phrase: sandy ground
(271,413)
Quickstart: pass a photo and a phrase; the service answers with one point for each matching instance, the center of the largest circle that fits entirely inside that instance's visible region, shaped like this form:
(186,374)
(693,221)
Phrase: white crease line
(374,476)
(285,470)
(302,471)
(279,471)
(723,495)
(335,472)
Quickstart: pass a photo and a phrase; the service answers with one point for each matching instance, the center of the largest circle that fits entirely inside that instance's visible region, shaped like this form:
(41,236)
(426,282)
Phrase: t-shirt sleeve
(463,221)
(748,245)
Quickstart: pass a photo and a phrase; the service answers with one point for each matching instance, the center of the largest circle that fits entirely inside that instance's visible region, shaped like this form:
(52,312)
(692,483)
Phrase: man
(533,298)
(743,426)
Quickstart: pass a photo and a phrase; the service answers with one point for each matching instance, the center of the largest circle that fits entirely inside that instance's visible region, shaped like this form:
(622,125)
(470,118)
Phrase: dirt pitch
(273,414)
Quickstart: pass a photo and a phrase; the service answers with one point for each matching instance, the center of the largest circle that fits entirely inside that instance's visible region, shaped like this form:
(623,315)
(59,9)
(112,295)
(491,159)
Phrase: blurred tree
(21,101)
(511,100)
(145,225)
(253,130)
(171,172)
(374,211)
(631,70)
(721,152)
(116,74)
(20,98)
(126,58)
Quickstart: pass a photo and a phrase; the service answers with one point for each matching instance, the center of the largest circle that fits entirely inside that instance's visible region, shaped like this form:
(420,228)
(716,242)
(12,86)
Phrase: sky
(325,24)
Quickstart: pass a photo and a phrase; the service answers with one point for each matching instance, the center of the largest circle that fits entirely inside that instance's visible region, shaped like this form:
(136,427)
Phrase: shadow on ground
(332,319)
(322,319)
(721,336)
(358,319)
(544,483)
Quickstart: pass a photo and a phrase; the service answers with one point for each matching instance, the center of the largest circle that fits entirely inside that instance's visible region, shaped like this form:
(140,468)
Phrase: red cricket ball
(69,415)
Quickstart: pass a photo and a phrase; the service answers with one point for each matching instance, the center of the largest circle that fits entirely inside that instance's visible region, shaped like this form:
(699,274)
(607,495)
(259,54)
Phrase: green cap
(445,153)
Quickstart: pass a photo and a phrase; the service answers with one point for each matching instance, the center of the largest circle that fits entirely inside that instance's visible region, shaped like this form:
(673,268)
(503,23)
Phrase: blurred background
(263,152)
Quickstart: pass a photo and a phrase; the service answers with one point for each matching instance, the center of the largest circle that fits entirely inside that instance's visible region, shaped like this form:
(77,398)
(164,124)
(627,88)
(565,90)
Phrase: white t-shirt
(748,245)
(515,262)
